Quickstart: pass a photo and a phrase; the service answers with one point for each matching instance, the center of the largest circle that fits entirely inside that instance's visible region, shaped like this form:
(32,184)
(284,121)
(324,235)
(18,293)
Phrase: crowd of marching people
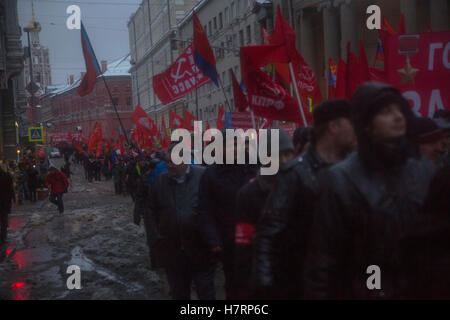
(368,184)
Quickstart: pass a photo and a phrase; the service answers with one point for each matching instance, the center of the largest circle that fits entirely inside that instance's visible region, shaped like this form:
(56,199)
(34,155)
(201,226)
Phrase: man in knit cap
(280,238)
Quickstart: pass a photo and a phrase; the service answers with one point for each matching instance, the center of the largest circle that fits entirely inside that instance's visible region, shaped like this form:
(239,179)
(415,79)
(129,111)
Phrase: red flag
(207,125)
(142,120)
(189,119)
(332,77)
(165,139)
(203,54)
(364,64)
(353,79)
(388,28)
(77,146)
(240,100)
(175,121)
(306,82)
(266,98)
(120,146)
(95,139)
(402,24)
(182,77)
(93,69)
(341,80)
(422,76)
(220,124)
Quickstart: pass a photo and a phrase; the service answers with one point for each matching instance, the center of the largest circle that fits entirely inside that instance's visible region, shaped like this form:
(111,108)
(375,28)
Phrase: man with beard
(250,203)
(175,231)
(217,207)
(281,237)
(367,202)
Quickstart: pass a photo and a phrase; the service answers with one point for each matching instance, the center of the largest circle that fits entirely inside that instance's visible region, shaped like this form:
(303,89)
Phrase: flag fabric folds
(341,80)
(240,100)
(332,78)
(220,124)
(175,121)
(93,69)
(203,54)
(95,139)
(143,122)
(189,119)
(182,77)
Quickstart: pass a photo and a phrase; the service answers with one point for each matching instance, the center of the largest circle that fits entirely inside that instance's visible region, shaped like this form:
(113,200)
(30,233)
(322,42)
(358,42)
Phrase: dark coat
(361,216)
(174,221)
(6,195)
(281,237)
(33,179)
(217,201)
(250,203)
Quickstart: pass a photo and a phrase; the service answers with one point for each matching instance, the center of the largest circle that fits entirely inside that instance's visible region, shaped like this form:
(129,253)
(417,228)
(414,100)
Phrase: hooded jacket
(280,237)
(365,204)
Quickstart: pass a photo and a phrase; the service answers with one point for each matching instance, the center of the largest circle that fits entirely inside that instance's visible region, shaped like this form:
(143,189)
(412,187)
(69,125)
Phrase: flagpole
(223,90)
(253,119)
(297,94)
(115,109)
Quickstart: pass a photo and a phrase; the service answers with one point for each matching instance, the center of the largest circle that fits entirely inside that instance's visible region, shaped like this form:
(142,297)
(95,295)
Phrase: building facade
(151,29)
(228,23)
(64,111)
(12,95)
(324,27)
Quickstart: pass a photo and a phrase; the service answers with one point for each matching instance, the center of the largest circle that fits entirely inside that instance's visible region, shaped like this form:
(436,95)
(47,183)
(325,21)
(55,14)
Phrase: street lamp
(33,26)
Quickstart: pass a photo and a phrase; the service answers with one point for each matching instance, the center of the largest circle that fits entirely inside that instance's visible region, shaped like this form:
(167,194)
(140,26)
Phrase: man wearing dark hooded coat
(367,202)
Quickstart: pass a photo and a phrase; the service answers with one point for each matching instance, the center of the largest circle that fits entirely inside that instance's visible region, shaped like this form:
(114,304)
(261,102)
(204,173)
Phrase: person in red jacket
(59,184)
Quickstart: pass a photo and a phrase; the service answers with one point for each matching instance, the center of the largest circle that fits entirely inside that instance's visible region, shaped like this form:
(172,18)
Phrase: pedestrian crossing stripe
(35,134)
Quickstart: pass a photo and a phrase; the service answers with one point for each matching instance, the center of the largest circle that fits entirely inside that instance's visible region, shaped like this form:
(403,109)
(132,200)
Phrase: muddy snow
(96,233)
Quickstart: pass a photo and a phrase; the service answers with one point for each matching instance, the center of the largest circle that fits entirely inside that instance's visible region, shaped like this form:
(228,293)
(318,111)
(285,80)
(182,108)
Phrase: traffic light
(18,151)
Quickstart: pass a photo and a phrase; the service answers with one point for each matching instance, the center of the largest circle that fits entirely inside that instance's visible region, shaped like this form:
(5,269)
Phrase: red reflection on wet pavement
(17,285)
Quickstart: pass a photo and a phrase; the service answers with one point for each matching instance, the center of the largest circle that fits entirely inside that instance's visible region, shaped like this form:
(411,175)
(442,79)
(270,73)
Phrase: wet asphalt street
(95,232)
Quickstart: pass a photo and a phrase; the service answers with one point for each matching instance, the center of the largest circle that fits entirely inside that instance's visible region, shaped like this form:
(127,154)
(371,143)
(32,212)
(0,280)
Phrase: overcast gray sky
(105,21)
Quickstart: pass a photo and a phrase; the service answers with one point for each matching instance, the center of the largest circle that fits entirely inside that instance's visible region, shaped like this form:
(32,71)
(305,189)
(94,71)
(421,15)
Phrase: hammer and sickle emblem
(177,76)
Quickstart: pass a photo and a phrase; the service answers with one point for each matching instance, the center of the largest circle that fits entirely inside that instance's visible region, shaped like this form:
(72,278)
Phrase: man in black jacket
(217,206)
(367,202)
(175,231)
(6,185)
(281,236)
(251,199)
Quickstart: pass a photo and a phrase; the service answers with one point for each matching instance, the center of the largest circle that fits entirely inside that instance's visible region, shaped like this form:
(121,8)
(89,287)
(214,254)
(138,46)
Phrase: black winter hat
(330,110)
(426,130)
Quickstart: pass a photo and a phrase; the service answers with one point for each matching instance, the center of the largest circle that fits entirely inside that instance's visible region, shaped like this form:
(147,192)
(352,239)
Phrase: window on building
(235,40)
(249,34)
(241,37)
(233,11)
(223,77)
(210,28)
(128,101)
(220,21)
(238,7)
(227,16)
(115,101)
(205,27)
(215,23)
